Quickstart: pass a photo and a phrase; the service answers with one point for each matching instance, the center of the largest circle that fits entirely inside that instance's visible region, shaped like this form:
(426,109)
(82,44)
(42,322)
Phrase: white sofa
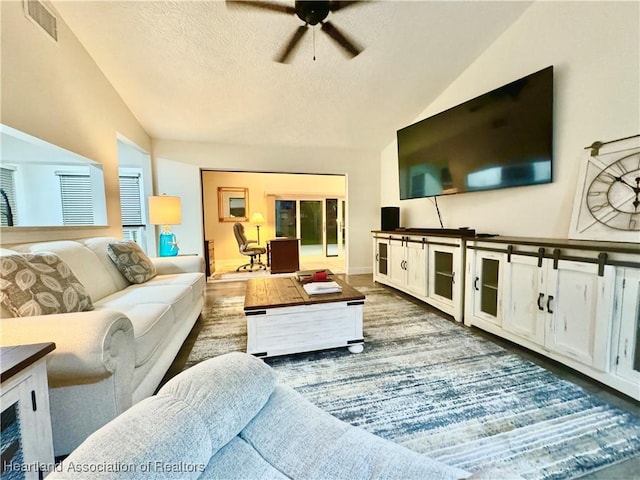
(109,358)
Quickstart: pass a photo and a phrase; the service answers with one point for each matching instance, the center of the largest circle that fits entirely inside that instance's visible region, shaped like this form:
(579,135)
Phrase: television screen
(500,139)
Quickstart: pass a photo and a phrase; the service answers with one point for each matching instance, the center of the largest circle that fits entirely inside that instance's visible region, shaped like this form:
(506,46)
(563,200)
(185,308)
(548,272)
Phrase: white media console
(577,302)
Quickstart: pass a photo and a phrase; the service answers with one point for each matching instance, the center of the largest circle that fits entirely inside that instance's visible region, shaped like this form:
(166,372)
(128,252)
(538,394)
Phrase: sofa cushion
(40,284)
(132,261)
(238,460)
(98,245)
(179,297)
(194,280)
(225,392)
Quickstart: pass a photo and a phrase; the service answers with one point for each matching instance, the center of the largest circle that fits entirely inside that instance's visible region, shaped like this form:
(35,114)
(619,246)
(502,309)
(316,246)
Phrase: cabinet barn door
(628,348)
(416,266)
(580,302)
(397,262)
(524,296)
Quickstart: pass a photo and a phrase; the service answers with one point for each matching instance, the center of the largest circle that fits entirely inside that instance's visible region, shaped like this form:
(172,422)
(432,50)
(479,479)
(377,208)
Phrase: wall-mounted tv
(497,140)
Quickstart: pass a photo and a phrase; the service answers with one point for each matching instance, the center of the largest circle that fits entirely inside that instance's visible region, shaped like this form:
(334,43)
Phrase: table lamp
(165,210)
(257,218)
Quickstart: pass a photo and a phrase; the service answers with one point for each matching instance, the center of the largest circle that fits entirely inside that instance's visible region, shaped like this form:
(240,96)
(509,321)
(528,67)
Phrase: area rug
(439,388)
(244,276)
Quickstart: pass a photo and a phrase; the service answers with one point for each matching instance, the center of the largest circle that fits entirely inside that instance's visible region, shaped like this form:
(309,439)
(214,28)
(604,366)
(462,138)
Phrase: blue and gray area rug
(438,388)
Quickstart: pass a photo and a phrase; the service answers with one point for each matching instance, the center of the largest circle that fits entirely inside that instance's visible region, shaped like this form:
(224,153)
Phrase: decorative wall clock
(607,201)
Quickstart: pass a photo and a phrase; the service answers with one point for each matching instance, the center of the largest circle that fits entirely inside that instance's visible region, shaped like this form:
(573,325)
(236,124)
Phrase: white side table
(27,443)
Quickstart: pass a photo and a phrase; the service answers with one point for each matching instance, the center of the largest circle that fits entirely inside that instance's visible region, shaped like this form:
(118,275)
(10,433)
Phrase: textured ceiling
(200,71)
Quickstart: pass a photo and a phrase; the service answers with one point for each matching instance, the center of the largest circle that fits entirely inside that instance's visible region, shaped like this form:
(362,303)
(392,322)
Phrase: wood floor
(629,470)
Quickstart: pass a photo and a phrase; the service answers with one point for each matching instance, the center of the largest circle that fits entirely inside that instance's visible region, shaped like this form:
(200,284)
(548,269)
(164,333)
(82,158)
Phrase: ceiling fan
(311,13)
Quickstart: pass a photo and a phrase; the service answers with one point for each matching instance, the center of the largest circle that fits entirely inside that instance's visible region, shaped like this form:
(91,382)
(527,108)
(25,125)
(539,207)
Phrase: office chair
(246,249)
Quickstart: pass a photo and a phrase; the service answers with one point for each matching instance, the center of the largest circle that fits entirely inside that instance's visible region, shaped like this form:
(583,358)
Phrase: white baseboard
(359,270)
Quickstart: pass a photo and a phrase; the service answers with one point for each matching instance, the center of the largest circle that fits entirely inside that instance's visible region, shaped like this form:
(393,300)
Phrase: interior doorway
(311,207)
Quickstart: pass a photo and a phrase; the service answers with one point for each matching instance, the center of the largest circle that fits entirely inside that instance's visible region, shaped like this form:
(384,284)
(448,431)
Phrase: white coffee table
(282,319)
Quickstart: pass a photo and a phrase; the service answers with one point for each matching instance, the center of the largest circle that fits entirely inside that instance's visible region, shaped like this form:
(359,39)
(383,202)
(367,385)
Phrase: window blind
(8,186)
(130,201)
(77,202)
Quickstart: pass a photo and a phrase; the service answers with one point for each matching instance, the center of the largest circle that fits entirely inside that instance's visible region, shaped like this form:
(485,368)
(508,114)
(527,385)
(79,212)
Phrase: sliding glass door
(318,224)
(311,227)
(335,209)
(286,218)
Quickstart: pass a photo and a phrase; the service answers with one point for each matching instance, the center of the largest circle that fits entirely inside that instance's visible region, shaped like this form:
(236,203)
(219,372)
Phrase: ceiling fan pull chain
(314,43)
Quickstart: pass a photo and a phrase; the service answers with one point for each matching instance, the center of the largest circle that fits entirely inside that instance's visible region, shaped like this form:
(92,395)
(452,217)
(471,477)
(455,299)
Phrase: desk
(209,258)
(283,255)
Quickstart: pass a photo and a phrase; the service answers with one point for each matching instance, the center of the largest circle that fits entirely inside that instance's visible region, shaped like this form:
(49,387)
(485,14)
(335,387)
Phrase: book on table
(307,276)
(318,288)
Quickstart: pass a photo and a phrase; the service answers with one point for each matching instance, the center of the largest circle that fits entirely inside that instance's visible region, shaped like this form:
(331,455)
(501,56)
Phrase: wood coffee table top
(276,292)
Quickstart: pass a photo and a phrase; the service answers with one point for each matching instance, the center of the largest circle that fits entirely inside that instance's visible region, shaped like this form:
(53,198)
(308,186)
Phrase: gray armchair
(230,418)
(250,248)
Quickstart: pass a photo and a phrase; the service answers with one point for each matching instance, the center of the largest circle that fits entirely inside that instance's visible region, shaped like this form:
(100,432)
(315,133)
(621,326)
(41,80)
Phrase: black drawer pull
(540,297)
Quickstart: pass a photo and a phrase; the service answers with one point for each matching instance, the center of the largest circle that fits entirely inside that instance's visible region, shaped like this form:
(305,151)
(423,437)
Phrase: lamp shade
(164,210)
(257,217)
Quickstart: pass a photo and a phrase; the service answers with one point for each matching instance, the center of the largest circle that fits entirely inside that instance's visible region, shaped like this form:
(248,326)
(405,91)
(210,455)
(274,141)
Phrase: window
(8,210)
(77,201)
(130,201)
(131,198)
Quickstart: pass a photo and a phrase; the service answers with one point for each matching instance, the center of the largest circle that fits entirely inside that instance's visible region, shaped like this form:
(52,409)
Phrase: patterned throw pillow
(132,262)
(40,284)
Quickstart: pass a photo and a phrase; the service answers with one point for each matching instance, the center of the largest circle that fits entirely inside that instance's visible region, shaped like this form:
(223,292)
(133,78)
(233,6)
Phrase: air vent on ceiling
(38,13)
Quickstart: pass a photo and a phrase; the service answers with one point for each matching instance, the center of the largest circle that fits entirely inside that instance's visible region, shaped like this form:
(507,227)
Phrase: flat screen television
(500,139)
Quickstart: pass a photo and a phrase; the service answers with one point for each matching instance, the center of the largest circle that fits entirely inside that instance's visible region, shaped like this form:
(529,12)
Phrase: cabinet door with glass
(381,258)
(443,288)
(486,281)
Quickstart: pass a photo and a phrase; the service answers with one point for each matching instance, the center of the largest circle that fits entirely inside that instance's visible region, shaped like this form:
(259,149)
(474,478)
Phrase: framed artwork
(233,204)
(607,201)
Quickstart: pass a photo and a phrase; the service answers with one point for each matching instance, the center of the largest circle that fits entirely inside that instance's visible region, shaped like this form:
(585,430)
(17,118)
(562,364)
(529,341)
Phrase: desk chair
(245,248)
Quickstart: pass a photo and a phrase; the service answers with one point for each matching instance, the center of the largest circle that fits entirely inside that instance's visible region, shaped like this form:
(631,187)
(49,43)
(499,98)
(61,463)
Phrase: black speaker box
(390,218)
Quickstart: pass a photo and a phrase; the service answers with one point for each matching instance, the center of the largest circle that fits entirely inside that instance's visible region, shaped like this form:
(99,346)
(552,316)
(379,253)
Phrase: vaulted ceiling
(202,71)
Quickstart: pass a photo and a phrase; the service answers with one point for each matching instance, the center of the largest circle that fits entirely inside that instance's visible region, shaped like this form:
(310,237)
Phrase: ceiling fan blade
(270,6)
(341,39)
(335,5)
(292,45)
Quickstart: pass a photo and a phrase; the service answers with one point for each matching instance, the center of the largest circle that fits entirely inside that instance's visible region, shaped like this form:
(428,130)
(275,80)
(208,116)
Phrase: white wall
(55,91)
(595,50)
(178,165)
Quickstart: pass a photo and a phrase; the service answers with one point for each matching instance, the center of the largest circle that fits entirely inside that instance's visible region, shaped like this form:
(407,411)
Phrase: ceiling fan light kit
(311,13)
